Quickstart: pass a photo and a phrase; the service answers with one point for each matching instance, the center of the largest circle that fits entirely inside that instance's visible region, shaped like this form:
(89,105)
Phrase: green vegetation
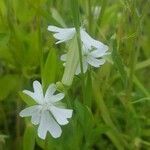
(111,104)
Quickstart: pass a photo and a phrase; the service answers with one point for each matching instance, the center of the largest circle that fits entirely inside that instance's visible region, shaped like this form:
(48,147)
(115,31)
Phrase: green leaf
(27,99)
(84,116)
(118,62)
(29,137)
(58,17)
(50,69)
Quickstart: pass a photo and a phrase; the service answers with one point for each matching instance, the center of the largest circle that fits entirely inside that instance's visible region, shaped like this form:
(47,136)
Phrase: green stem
(143,64)
(75,11)
(89,16)
(40,44)
(41,60)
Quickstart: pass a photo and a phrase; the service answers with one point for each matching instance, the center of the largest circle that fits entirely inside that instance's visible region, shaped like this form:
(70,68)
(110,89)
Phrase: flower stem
(40,45)
(89,16)
(75,12)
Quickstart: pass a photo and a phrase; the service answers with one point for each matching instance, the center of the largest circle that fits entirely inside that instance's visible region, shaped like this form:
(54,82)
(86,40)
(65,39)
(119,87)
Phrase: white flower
(62,34)
(65,34)
(92,50)
(47,113)
(89,57)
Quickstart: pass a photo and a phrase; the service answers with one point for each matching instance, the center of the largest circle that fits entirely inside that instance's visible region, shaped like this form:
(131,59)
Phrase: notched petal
(47,123)
(57,97)
(61,114)
(29,111)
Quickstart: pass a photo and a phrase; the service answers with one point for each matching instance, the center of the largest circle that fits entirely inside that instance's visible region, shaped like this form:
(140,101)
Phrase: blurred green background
(117,112)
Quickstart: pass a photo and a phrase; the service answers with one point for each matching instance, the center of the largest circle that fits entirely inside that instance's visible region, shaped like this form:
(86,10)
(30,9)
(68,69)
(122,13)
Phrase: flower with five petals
(89,57)
(47,112)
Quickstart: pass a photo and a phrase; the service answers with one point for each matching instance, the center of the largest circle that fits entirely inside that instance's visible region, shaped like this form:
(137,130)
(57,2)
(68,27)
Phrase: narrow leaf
(118,62)
(50,68)
(29,138)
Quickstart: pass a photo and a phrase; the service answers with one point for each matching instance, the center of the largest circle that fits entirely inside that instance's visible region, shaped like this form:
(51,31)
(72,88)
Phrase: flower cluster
(92,50)
(49,113)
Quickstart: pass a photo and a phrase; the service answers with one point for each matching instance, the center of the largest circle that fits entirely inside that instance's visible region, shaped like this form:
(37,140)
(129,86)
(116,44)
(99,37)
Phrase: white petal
(61,114)
(95,62)
(53,127)
(31,94)
(62,34)
(38,88)
(57,97)
(43,127)
(89,42)
(63,57)
(50,91)
(97,53)
(86,39)
(35,119)
(85,66)
(57,29)
(37,95)
(85,49)
(48,124)
(29,111)
(54,29)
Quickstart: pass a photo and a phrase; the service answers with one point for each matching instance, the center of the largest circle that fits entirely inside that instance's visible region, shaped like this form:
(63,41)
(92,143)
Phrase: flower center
(46,106)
